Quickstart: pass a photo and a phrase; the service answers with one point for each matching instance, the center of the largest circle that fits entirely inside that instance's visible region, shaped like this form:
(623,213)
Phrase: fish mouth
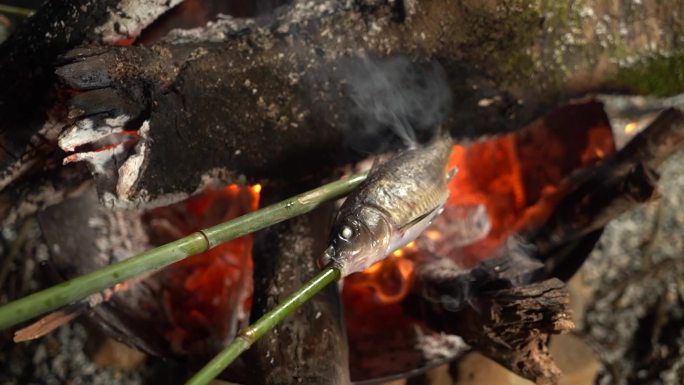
(327,258)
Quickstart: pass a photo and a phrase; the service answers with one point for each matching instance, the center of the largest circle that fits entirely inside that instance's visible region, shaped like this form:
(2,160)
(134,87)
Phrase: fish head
(359,238)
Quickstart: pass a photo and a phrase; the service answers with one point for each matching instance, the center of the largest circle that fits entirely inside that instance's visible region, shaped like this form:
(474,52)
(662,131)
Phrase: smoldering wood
(595,196)
(496,310)
(310,346)
(506,62)
(31,108)
(80,229)
(40,191)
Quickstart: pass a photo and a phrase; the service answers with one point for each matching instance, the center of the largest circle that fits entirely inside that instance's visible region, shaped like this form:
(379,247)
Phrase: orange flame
(389,280)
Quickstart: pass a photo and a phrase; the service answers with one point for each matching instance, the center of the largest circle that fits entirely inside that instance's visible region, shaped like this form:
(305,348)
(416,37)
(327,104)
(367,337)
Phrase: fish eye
(346,232)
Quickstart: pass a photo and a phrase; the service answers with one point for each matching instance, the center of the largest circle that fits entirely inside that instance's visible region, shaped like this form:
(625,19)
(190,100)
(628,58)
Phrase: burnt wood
(279,82)
(31,110)
(496,310)
(595,196)
(310,345)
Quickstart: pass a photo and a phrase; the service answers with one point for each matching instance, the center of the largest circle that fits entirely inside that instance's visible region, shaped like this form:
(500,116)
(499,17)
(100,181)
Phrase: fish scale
(392,207)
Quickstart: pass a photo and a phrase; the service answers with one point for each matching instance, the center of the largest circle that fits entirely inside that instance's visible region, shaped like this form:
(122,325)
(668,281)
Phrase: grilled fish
(391,207)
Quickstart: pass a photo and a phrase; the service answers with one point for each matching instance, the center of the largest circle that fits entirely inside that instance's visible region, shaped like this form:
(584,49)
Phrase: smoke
(454,287)
(392,97)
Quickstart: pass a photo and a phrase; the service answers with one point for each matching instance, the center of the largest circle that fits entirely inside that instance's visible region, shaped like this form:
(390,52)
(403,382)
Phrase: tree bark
(31,109)
(498,309)
(278,83)
(595,196)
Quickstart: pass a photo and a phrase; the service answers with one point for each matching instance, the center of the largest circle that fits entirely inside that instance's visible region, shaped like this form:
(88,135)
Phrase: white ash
(132,167)
(440,347)
(59,359)
(140,200)
(40,198)
(90,130)
(214,31)
(97,160)
(131,17)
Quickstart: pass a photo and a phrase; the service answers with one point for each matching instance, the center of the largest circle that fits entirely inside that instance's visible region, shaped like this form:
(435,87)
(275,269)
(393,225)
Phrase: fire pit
(205,125)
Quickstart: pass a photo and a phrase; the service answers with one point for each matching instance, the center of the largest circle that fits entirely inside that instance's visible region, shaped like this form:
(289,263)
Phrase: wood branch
(596,196)
(490,308)
(279,85)
(308,347)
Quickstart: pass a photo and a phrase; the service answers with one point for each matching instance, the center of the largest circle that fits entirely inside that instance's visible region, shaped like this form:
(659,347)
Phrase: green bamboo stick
(78,288)
(12,10)
(252,333)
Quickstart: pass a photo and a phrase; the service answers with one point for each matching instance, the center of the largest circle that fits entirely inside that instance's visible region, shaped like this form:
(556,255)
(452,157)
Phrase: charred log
(596,196)
(27,62)
(79,229)
(280,81)
(489,306)
(41,191)
(308,347)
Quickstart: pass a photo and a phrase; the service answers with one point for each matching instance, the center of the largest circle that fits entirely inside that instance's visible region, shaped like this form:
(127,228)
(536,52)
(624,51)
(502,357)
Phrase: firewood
(510,323)
(595,196)
(310,344)
(280,85)
(31,111)
(78,288)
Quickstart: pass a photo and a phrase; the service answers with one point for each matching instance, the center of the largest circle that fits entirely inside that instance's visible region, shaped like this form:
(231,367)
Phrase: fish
(397,201)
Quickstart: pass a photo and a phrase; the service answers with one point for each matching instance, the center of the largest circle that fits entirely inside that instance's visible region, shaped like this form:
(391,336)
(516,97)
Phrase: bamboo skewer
(13,10)
(78,288)
(247,336)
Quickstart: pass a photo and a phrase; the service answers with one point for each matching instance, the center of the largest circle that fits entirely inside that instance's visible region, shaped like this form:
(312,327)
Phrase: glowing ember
(206,295)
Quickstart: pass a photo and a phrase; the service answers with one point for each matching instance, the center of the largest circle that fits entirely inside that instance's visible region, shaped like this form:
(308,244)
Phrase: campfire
(146,140)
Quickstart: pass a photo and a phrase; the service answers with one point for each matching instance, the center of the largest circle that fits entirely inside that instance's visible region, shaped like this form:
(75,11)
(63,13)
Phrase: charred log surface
(28,58)
(308,347)
(596,196)
(40,191)
(27,71)
(509,323)
(274,82)
(79,229)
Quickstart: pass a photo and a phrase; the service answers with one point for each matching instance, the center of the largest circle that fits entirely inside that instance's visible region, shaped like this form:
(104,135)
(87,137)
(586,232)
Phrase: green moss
(497,40)
(658,75)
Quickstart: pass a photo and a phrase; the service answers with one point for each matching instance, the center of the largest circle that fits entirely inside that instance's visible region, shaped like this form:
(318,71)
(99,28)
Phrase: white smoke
(410,99)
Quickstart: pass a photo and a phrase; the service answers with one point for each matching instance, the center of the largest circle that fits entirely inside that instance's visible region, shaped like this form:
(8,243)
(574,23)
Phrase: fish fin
(418,219)
(413,229)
